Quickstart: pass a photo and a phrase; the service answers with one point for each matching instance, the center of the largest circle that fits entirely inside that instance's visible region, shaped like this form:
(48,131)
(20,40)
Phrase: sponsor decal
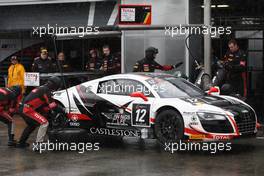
(74,119)
(194,123)
(117,118)
(133,14)
(222,137)
(193,118)
(115,132)
(197,136)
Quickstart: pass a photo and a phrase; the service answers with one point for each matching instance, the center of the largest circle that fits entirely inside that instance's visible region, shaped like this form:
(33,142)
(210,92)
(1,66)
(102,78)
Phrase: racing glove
(52,105)
(167,67)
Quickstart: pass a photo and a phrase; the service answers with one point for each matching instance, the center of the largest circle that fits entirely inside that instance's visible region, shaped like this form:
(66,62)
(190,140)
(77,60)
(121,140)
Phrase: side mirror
(139,95)
(214,90)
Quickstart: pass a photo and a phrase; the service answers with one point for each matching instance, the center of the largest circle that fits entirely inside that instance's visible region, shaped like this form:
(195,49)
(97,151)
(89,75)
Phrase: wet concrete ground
(130,157)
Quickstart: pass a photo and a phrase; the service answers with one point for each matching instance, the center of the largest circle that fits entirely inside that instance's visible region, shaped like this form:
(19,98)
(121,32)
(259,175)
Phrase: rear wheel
(169,126)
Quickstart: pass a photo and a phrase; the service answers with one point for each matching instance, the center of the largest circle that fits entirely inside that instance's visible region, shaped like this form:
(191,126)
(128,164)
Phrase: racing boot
(22,145)
(11,141)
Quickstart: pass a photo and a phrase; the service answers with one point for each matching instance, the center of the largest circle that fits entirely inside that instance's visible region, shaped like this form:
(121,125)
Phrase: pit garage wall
(15,16)
(171,50)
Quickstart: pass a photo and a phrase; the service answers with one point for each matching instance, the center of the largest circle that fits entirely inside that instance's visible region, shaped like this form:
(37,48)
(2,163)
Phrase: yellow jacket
(16,76)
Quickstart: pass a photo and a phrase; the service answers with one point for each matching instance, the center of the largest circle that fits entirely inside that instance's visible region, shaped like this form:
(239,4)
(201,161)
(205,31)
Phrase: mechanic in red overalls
(9,99)
(34,105)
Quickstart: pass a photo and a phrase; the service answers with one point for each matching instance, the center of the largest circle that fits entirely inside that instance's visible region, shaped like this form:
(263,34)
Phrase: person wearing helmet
(9,99)
(94,62)
(33,108)
(148,64)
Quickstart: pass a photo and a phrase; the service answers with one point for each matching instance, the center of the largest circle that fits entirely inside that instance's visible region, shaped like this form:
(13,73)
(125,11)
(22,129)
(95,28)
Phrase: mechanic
(63,63)
(235,66)
(43,64)
(9,99)
(148,64)
(33,108)
(94,62)
(110,64)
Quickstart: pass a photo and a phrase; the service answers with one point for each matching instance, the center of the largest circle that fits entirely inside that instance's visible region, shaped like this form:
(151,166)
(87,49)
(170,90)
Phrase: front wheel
(169,126)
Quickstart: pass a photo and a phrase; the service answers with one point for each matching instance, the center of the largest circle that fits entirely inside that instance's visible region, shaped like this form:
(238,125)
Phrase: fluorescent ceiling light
(219,6)
(223,6)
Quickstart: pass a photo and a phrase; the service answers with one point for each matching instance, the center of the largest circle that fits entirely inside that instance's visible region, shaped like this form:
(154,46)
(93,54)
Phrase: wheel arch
(162,108)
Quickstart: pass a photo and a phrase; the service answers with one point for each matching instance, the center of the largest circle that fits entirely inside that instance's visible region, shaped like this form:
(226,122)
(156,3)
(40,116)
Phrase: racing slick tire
(169,126)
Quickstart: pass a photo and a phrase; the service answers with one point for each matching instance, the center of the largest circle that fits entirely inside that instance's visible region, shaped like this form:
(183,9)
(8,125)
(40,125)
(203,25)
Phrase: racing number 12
(140,115)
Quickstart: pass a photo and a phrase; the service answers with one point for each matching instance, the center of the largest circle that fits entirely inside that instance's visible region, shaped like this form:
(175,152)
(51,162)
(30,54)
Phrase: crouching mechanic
(34,107)
(148,64)
(9,99)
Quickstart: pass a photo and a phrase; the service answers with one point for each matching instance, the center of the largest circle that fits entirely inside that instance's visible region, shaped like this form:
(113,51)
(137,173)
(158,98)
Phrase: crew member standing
(148,64)
(62,63)
(110,65)
(94,62)
(9,99)
(16,73)
(43,64)
(235,66)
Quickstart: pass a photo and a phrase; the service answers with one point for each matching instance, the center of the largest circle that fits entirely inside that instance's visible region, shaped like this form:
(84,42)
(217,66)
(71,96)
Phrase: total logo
(222,137)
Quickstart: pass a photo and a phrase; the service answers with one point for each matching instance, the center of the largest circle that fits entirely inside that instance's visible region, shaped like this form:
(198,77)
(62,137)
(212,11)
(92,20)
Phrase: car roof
(137,75)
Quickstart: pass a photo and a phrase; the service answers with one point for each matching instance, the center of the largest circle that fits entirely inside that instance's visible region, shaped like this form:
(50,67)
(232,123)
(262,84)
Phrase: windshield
(171,87)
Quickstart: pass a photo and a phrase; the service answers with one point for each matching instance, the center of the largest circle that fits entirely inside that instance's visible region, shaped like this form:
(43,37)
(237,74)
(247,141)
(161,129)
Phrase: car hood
(218,103)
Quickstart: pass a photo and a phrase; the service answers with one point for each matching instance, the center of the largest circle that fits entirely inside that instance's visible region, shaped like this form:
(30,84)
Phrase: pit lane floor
(130,157)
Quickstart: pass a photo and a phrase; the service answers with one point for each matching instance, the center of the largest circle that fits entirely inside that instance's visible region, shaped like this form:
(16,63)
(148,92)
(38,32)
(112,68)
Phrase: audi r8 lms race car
(152,105)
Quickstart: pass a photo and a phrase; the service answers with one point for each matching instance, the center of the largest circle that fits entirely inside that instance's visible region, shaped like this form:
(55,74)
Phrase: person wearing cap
(43,64)
(94,62)
(148,64)
(16,74)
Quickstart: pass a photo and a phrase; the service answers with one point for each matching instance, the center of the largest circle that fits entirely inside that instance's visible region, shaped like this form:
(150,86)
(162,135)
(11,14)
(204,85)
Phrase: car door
(120,107)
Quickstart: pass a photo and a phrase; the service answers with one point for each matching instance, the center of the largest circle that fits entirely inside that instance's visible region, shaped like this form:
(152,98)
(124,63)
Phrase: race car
(152,105)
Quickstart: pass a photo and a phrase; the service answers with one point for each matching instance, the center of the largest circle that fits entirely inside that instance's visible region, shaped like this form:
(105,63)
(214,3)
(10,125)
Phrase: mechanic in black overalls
(34,107)
(62,63)
(235,66)
(148,64)
(43,64)
(111,64)
(94,62)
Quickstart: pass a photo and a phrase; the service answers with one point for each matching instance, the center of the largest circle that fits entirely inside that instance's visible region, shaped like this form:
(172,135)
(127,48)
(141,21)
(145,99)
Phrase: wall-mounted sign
(134,14)
(31,79)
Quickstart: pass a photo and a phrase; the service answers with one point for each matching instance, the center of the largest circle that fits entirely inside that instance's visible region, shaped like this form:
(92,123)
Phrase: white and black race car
(153,105)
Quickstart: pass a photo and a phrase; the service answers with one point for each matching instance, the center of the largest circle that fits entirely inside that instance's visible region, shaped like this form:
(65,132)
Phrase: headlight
(210,116)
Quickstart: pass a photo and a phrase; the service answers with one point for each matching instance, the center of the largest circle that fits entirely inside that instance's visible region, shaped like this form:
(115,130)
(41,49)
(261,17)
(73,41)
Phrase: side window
(123,87)
(106,87)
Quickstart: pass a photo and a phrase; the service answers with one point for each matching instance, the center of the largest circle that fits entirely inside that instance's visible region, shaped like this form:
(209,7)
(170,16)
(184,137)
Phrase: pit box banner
(31,79)
(134,14)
